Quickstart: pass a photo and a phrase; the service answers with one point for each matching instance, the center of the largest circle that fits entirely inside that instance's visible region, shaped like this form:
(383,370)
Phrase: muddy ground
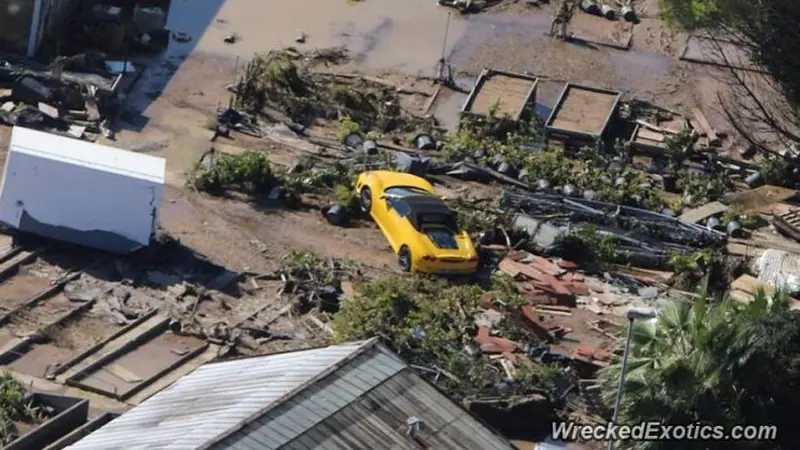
(168,112)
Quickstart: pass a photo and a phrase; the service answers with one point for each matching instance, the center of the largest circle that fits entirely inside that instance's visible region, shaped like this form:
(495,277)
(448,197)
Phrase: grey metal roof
(213,399)
(353,396)
(341,413)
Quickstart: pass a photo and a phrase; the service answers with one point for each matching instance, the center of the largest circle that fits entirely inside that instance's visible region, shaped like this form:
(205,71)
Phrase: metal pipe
(633,314)
(621,379)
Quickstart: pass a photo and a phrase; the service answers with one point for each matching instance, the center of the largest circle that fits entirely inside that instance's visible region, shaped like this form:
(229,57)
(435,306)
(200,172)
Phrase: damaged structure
(79,192)
(355,395)
(25,23)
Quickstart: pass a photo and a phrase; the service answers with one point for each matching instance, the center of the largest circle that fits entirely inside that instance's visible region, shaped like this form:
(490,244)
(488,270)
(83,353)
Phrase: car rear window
(442,237)
(444,220)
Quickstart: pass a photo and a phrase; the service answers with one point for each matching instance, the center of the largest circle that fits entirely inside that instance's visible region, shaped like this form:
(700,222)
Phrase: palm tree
(680,367)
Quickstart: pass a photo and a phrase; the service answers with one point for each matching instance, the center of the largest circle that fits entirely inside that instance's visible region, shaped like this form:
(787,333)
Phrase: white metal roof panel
(316,404)
(213,400)
(88,154)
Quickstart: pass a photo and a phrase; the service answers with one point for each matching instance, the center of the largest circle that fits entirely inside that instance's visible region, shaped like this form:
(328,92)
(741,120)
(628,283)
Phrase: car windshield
(405,191)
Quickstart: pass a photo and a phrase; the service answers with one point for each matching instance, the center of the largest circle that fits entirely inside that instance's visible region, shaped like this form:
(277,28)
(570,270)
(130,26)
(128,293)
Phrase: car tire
(365,200)
(404,259)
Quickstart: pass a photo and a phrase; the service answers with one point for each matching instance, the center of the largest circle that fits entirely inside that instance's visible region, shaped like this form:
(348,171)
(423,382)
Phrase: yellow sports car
(421,229)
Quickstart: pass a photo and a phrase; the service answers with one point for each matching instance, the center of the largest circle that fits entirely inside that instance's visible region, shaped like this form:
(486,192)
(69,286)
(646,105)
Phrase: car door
(396,220)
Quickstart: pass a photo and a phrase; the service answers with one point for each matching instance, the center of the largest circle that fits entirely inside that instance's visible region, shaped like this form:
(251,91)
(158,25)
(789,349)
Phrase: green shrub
(346,127)
(429,323)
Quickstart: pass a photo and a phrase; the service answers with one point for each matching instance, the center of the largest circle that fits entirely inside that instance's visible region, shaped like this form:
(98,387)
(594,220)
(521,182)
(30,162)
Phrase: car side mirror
(383,197)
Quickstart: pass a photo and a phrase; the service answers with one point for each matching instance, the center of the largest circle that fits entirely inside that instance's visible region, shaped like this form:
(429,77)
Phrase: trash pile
(649,239)
(282,83)
(312,282)
(77,96)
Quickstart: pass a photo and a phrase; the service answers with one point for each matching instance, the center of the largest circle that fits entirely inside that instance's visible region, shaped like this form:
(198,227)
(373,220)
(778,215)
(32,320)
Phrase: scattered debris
(181,37)
(313,282)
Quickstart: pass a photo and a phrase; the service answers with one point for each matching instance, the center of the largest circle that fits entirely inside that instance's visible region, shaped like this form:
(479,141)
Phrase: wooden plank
(655,128)
(750,284)
(741,292)
(552,312)
(650,135)
(703,212)
(713,139)
(545,266)
(123,373)
(749,251)
(555,308)
(759,197)
(509,267)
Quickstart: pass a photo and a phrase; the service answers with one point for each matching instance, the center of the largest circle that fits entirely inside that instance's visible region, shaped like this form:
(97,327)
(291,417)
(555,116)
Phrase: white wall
(77,197)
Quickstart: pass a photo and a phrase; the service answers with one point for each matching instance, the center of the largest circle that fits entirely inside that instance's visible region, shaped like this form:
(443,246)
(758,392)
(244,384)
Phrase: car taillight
(473,258)
(428,257)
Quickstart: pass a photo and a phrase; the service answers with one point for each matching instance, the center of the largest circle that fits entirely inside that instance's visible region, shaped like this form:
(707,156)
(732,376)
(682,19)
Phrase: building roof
(357,395)
(88,154)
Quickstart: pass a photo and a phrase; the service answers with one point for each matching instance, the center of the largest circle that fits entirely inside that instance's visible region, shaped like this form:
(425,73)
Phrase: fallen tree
(765,110)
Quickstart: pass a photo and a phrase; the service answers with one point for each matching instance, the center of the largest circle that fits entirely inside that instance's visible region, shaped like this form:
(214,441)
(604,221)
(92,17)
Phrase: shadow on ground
(164,264)
(190,18)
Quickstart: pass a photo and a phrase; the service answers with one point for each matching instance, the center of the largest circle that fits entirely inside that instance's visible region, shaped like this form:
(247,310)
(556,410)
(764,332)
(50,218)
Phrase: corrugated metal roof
(344,412)
(215,399)
(100,157)
(351,396)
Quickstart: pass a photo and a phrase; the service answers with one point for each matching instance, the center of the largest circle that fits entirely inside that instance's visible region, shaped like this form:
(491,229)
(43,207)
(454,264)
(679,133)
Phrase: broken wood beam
(656,127)
(713,138)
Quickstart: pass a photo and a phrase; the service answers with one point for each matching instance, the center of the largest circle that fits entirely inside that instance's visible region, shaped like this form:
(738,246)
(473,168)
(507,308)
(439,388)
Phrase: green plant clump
(724,363)
(345,196)
(698,190)
(346,127)
(248,172)
(428,323)
(506,140)
(14,408)
(586,244)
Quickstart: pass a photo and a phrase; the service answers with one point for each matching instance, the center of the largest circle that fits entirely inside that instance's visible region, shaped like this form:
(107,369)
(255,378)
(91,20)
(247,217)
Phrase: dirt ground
(387,41)
(169,112)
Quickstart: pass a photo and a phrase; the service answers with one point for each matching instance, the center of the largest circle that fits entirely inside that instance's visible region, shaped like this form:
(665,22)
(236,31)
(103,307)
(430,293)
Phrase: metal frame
(551,130)
(485,74)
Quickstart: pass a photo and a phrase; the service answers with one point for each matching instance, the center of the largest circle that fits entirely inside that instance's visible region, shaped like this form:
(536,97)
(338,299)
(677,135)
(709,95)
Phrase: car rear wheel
(365,200)
(404,259)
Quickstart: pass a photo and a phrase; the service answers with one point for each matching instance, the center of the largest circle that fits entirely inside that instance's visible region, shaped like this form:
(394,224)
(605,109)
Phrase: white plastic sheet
(779,269)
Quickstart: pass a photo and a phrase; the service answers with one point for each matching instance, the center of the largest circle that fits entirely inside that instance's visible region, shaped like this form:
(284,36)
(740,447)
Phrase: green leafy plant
(698,261)
(247,172)
(346,127)
(14,407)
(345,196)
(702,189)
(428,323)
(586,244)
(775,170)
(679,147)
(745,220)
(695,364)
